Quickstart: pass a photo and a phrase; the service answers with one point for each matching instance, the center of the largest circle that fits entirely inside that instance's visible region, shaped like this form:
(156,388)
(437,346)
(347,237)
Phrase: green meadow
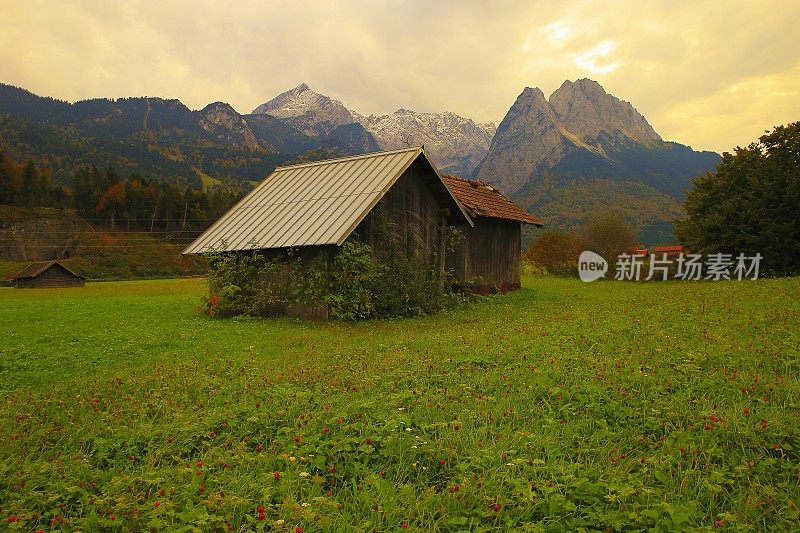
(562,407)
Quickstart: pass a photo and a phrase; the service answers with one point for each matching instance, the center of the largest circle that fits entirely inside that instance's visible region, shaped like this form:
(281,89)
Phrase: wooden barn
(395,198)
(490,253)
(45,275)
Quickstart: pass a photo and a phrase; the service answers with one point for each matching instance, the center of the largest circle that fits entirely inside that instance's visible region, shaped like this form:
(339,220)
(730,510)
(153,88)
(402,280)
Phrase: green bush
(353,278)
(357,285)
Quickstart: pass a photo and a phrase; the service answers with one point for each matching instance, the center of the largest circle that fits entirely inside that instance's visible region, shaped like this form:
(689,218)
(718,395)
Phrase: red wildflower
(260,509)
(332,469)
(746,411)
(405,525)
(277,476)
(776,447)
(298,529)
(326,429)
(718,523)
(382,473)
(441,462)
(495,507)
(297,438)
(262,516)
(169,440)
(14,518)
(707,427)
(214,300)
(113,517)
(201,488)
(156,504)
(40,531)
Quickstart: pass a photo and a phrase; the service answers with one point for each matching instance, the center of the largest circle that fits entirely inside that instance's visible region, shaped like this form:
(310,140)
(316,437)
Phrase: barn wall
(489,255)
(409,217)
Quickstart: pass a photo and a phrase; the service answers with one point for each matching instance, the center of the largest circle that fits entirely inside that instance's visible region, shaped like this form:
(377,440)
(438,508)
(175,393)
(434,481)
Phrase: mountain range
(579,152)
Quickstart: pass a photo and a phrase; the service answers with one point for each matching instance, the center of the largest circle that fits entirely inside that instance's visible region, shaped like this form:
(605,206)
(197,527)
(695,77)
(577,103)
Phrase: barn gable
(320,203)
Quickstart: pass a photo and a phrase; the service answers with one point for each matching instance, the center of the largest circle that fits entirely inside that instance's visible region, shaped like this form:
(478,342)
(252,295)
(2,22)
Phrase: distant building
(45,275)
(671,251)
(641,252)
(490,253)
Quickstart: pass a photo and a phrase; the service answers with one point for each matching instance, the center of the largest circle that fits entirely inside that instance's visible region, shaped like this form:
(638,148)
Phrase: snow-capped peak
(456,144)
(310,112)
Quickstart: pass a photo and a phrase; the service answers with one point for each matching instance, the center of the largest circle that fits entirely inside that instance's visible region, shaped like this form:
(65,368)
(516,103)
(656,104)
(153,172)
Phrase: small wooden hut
(46,275)
(395,198)
(489,255)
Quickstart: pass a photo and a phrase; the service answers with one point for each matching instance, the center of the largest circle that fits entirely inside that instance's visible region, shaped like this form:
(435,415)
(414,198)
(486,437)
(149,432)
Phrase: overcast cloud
(711,74)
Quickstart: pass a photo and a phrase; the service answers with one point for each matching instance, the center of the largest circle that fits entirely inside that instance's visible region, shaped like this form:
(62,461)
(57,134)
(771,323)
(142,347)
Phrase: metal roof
(310,204)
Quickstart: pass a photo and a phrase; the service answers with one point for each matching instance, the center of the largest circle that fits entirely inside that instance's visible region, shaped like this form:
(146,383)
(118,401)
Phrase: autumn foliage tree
(105,198)
(557,251)
(609,235)
(750,204)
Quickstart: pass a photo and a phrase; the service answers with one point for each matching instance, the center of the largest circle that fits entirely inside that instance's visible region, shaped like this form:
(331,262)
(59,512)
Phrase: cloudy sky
(711,74)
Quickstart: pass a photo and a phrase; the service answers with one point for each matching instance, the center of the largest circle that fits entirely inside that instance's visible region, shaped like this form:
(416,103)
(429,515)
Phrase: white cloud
(590,59)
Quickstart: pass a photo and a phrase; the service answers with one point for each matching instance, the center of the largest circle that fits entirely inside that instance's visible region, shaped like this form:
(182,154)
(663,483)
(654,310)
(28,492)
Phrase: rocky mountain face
(456,144)
(226,125)
(582,132)
(310,112)
(583,151)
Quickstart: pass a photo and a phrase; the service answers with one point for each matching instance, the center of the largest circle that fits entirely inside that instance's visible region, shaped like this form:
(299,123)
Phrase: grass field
(562,407)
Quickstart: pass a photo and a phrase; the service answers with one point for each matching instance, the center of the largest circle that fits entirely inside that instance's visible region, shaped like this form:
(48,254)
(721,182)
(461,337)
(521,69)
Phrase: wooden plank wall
(491,251)
(410,214)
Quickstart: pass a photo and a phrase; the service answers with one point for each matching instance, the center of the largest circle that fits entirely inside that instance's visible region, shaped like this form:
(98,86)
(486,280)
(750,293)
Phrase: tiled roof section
(34,269)
(667,249)
(483,200)
(312,204)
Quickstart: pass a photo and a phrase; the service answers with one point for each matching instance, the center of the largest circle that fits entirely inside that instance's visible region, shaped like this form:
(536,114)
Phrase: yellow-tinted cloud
(709,74)
(602,53)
